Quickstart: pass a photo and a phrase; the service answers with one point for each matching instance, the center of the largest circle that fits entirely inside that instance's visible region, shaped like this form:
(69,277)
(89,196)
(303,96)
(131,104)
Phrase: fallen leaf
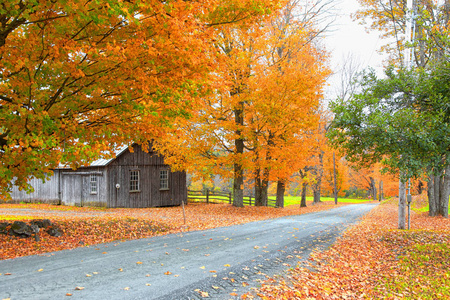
(40,270)
(139,263)
(68,294)
(168,273)
(79,288)
(204,294)
(126,288)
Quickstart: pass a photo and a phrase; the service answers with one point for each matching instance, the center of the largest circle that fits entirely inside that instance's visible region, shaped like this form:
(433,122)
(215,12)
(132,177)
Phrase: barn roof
(101,162)
(104,162)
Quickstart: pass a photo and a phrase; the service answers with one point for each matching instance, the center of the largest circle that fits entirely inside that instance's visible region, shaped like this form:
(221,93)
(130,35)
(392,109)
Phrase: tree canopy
(77,78)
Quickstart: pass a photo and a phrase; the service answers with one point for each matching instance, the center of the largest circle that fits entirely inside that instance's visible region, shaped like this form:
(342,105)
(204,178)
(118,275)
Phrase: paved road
(178,266)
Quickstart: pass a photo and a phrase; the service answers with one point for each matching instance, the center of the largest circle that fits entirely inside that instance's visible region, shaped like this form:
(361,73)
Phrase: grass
(295,200)
(424,273)
(288,200)
(420,203)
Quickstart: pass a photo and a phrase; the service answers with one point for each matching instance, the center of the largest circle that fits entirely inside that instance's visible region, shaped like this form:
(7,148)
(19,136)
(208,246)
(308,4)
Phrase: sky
(346,39)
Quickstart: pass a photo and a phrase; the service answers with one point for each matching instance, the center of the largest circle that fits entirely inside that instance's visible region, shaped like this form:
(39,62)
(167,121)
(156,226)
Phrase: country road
(179,266)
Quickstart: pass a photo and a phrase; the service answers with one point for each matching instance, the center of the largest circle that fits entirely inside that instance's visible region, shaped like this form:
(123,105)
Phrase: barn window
(93,184)
(164,179)
(134,181)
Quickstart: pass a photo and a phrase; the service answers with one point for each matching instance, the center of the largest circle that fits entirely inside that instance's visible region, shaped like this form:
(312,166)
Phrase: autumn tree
(429,52)
(400,121)
(258,122)
(77,78)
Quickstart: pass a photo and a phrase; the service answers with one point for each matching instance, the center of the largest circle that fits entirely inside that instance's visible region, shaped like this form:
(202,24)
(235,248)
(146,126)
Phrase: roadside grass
(374,260)
(86,226)
(295,200)
(288,200)
(423,274)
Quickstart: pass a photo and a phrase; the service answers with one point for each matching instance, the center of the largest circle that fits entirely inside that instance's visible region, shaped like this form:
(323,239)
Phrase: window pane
(93,184)
(164,179)
(134,180)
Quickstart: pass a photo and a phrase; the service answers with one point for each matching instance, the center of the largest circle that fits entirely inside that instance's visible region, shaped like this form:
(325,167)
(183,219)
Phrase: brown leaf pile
(366,261)
(85,226)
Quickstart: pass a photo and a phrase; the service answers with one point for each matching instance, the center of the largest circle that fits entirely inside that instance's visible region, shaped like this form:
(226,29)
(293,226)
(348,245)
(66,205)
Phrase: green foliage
(401,120)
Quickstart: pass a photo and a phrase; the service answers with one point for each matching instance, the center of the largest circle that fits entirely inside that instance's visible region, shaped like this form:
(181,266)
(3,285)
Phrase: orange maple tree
(259,122)
(77,78)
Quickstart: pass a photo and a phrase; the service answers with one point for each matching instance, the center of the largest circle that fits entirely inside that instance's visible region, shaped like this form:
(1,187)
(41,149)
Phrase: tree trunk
(432,211)
(316,195)
(264,192)
(238,187)
(420,187)
(334,183)
(303,201)
(258,199)
(281,188)
(401,205)
(381,190)
(445,192)
(437,192)
(317,185)
(372,188)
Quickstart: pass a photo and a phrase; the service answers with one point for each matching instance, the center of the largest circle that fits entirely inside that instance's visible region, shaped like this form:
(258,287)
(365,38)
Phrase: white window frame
(93,184)
(164,180)
(135,181)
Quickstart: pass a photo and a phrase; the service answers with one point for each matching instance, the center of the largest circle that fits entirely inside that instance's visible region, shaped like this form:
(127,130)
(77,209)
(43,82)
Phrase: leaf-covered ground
(84,226)
(374,260)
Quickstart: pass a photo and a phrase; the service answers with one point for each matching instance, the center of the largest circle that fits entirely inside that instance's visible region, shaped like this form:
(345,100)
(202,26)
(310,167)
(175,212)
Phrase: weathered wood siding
(43,191)
(76,187)
(149,194)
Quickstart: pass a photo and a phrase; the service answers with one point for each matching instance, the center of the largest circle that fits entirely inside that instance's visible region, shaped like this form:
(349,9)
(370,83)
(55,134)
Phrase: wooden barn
(132,179)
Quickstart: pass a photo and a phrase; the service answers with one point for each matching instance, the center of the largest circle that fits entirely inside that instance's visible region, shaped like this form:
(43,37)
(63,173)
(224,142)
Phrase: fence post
(250,200)
(229,197)
(207,196)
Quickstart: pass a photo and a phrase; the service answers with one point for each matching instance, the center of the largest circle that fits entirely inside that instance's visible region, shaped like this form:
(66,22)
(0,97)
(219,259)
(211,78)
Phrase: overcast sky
(349,39)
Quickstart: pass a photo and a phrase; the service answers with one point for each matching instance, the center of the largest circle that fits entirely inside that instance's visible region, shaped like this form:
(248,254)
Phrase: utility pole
(410,32)
(409,63)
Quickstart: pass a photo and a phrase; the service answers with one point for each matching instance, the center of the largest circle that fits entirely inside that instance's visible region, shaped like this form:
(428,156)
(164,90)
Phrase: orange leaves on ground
(84,226)
(366,262)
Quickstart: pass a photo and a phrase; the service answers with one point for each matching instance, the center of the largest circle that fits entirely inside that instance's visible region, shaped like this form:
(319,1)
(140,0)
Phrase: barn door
(85,192)
(73,188)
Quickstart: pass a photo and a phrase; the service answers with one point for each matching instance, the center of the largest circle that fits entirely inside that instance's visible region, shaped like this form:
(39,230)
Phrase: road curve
(178,266)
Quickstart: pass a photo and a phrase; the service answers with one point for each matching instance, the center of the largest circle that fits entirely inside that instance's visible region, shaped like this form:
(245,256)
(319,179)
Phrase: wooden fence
(221,197)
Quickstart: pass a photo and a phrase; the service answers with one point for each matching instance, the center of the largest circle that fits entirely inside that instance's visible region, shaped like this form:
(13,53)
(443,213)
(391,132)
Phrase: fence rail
(222,197)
